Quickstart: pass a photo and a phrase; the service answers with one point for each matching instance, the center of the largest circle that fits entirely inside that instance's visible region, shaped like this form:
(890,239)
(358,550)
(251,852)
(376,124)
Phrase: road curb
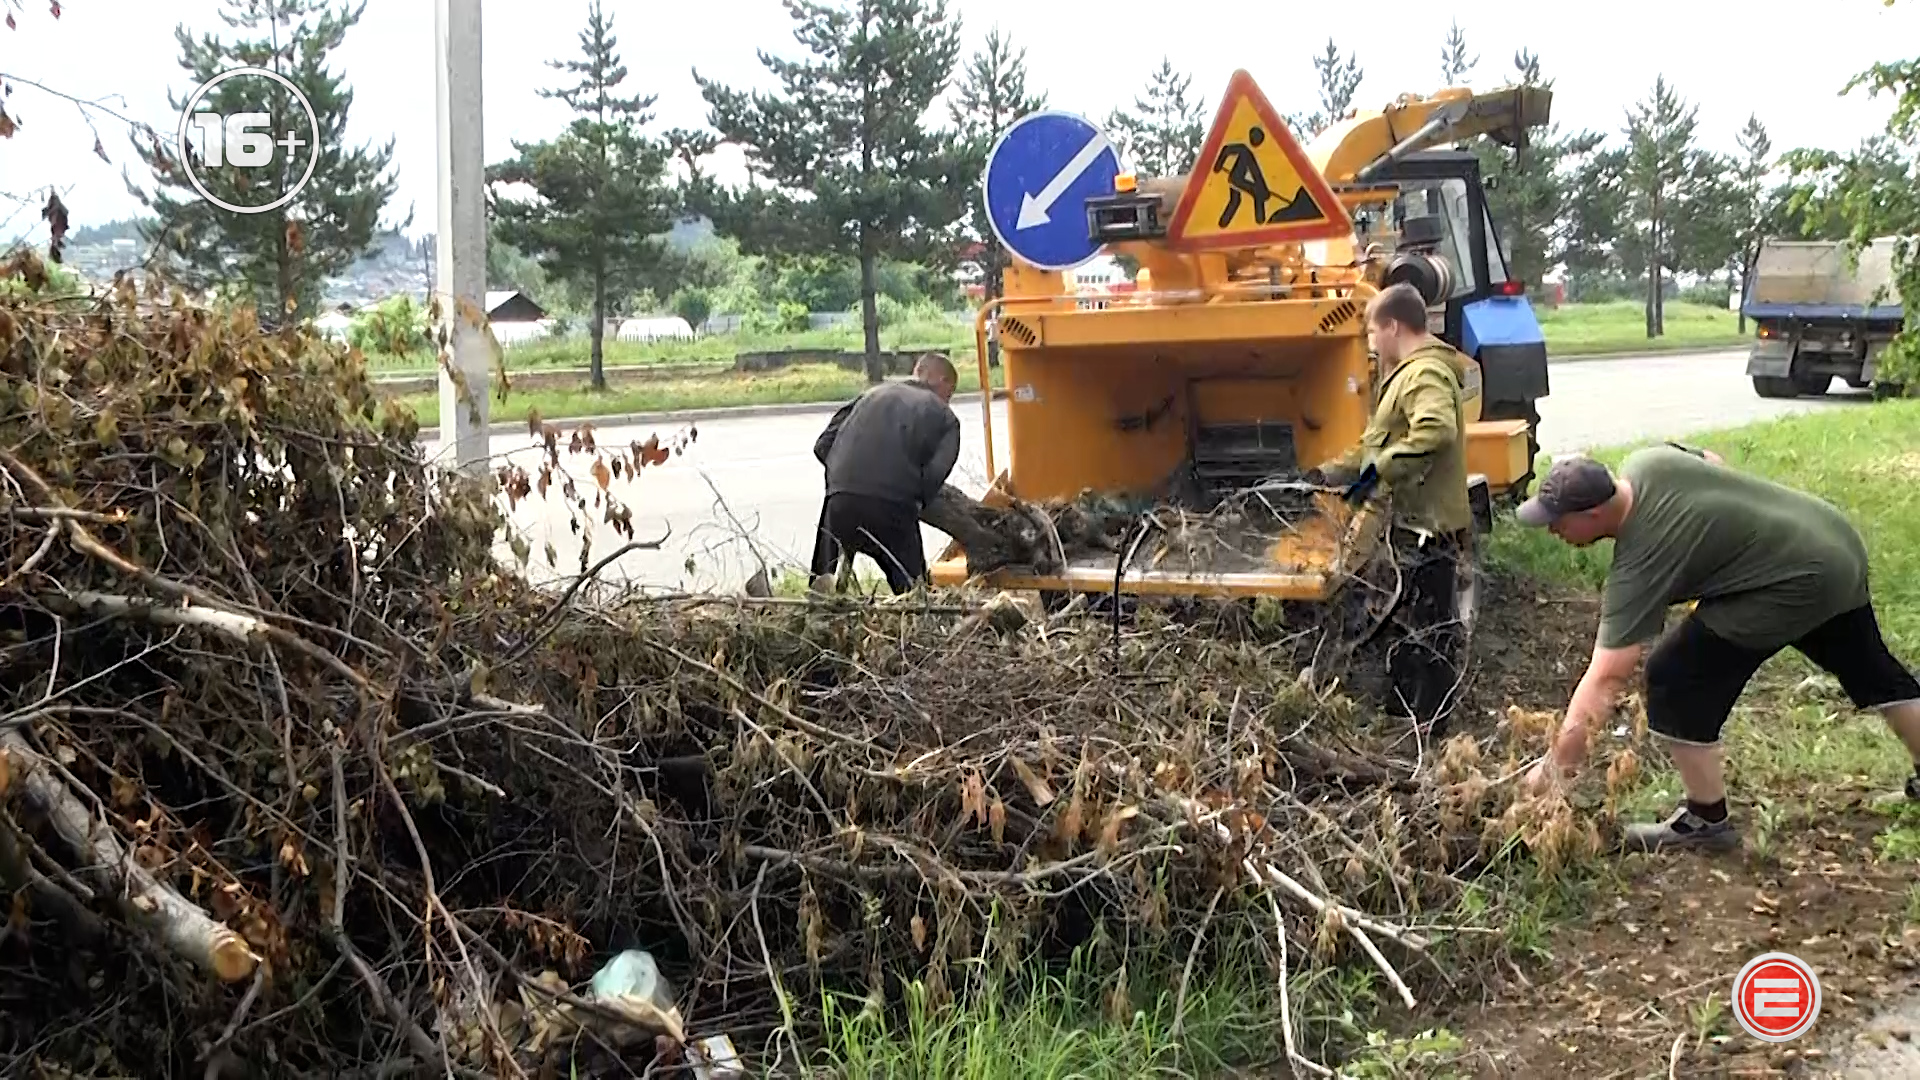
(1648,354)
(736,412)
(693,416)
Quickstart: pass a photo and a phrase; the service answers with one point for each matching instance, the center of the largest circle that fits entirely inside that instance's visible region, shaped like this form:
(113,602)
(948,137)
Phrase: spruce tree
(280,258)
(604,206)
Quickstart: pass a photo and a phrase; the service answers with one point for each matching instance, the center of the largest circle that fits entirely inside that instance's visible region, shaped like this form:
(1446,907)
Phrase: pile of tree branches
(297,776)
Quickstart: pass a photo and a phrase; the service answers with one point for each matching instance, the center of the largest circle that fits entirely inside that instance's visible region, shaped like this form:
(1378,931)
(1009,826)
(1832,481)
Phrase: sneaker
(1682,829)
(1891,801)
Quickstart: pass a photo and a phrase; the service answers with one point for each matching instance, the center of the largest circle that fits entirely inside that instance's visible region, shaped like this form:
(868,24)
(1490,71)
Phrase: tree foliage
(601,197)
(850,164)
(1455,64)
(1160,135)
(282,256)
(1340,79)
(1539,193)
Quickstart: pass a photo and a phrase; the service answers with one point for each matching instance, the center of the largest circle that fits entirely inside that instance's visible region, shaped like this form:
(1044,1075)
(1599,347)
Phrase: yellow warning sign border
(1337,223)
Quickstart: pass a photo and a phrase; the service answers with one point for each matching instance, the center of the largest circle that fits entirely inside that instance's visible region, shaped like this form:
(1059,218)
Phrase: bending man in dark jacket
(887,454)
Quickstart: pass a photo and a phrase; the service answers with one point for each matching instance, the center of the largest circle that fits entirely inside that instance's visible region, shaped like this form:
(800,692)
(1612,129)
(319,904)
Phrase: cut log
(111,870)
(994,538)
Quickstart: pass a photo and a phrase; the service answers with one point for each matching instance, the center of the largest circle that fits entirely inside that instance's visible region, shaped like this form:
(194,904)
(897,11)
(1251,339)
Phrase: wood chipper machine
(1239,359)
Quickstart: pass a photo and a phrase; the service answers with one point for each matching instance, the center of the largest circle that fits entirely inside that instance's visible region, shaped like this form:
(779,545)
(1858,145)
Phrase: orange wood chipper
(1239,358)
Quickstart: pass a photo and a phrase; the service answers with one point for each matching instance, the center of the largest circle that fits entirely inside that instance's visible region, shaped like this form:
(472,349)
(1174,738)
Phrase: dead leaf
(973,798)
(996,818)
(56,214)
(10,23)
(919,933)
(601,475)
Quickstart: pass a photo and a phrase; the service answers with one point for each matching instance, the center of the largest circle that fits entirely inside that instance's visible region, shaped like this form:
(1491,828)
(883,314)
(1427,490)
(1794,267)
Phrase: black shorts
(1694,675)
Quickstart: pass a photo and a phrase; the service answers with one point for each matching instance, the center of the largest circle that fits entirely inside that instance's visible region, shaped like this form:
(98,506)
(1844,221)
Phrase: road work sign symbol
(1776,997)
(1038,179)
(1252,184)
(243,148)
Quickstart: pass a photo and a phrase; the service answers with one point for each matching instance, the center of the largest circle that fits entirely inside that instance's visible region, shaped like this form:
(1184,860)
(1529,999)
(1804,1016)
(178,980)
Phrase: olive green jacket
(1417,441)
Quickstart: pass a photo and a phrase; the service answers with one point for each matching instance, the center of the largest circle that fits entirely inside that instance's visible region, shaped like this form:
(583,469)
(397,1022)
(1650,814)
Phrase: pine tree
(852,167)
(1455,64)
(991,95)
(1161,135)
(1339,81)
(279,259)
(604,203)
(1660,158)
(1530,196)
(1756,149)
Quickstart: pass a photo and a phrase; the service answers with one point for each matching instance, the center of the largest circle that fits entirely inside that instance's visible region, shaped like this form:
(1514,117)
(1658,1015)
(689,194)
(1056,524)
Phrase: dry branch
(295,716)
(186,930)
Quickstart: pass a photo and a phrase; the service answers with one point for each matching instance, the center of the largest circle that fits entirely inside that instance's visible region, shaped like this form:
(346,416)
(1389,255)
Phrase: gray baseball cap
(1572,485)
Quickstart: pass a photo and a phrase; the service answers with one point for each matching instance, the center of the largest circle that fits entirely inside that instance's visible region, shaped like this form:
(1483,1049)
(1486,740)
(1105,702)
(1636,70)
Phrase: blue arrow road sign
(1038,179)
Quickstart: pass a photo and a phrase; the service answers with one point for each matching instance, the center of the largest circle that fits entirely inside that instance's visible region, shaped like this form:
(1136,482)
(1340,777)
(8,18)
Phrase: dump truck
(1240,359)
(1819,315)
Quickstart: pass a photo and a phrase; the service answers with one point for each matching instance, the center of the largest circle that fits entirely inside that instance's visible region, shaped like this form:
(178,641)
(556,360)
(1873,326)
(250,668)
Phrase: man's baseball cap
(1573,485)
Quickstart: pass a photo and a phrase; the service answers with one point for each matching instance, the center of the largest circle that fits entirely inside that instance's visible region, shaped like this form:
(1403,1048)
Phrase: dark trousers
(885,531)
(1428,654)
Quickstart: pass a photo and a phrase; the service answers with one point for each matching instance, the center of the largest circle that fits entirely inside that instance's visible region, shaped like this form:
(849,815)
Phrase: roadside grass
(956,338)
(1621,326)
(800,384)
(1794,731)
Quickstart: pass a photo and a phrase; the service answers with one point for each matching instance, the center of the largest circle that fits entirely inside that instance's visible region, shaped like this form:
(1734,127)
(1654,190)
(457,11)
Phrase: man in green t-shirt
(1768,566)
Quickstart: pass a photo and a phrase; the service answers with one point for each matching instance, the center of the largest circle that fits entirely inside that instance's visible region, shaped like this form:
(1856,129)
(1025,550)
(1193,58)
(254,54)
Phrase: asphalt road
(749,489)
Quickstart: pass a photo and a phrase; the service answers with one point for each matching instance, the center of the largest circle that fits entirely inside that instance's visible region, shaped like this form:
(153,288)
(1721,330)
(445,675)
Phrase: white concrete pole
(460,272)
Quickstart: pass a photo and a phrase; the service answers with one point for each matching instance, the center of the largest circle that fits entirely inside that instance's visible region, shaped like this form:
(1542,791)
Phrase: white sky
(1721,54)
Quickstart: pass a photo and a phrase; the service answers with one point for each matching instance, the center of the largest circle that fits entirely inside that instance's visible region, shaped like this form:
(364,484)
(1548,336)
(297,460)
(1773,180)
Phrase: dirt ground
(1639,973)
(1655,959)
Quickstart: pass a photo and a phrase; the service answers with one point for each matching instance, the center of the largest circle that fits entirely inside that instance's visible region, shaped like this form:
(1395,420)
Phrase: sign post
(460,271)
(1036,184)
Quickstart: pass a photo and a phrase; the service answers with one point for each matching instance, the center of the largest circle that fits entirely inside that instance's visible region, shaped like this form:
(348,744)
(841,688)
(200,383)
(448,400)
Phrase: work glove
(1362,489)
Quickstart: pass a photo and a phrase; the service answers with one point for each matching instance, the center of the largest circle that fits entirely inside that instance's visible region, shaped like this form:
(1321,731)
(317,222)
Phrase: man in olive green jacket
(1416,446)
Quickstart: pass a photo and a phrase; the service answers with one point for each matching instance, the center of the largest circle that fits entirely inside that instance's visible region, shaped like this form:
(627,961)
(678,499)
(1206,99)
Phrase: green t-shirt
(1766,563)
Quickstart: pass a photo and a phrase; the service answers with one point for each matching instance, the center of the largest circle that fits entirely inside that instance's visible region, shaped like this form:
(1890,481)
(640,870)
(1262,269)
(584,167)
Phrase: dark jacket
(898,441)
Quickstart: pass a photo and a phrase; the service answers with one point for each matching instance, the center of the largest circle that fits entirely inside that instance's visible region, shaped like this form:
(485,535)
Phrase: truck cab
(1487,314)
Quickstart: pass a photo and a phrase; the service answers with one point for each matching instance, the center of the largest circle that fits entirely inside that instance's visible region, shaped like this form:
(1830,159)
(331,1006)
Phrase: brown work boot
(1682,829)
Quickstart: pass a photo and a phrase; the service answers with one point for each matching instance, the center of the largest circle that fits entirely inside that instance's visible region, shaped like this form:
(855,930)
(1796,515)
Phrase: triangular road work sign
(1252,184)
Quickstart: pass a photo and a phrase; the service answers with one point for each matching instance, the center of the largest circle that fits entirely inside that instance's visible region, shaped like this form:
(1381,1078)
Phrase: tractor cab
(1486,313)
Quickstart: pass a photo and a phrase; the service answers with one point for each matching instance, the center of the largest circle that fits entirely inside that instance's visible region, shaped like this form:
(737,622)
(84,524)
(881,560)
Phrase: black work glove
(1363,488)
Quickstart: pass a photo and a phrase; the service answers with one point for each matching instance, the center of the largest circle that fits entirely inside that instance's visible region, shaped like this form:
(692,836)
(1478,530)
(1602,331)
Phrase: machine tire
(1812,385)
(1775,386)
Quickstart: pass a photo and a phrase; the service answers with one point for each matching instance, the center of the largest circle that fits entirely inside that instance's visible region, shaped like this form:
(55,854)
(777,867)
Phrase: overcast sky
(1724,55)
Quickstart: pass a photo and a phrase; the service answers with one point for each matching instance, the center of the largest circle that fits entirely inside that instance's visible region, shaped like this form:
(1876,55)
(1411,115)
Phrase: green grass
(1072,1023)
(692,375)
(1794,729)
(800,384)
(954,337)
(1620,326)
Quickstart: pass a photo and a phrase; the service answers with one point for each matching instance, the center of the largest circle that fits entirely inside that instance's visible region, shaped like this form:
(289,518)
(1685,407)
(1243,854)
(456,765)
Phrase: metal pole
(460,273)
